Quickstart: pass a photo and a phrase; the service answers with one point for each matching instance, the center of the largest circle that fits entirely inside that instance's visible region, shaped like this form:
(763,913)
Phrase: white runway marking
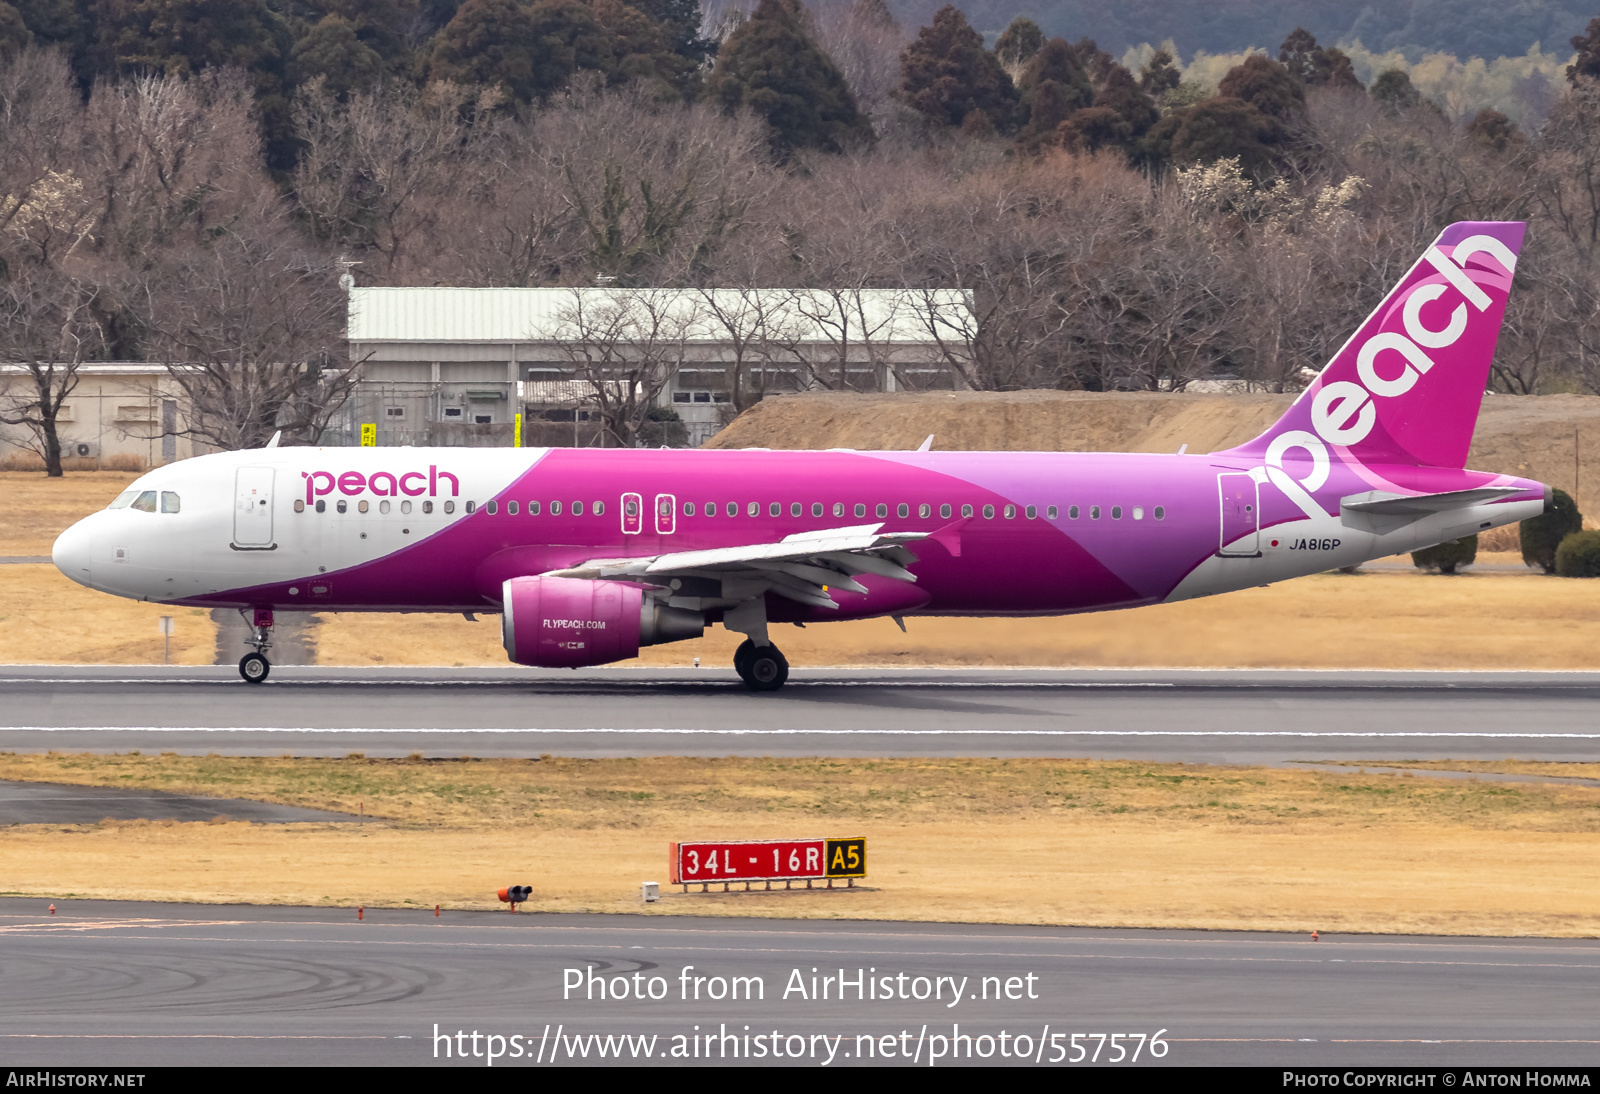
(1342,734)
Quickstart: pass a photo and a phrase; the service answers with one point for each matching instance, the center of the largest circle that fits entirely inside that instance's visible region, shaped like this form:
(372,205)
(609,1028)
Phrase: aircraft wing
(801,567)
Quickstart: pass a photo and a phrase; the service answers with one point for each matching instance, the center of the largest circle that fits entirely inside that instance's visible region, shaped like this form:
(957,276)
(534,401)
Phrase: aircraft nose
(72,552)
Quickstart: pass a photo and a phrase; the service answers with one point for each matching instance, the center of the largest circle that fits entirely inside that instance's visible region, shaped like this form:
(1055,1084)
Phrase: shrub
(1446,556)
(1579,555)
(1541,535)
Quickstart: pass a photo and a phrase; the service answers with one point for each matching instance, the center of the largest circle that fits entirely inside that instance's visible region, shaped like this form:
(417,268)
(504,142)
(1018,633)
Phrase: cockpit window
(146,502)
(170,503)
(123,500)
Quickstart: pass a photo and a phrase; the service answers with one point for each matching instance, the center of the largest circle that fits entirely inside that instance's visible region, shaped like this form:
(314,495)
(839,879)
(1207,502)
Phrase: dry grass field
(1024,841)
(38,509)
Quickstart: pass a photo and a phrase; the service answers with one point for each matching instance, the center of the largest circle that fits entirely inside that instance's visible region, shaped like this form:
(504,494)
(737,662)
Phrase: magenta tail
(1407,387)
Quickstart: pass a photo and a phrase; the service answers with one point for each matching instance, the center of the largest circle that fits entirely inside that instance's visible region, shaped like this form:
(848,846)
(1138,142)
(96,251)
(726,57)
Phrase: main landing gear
(762,668)
(255,666)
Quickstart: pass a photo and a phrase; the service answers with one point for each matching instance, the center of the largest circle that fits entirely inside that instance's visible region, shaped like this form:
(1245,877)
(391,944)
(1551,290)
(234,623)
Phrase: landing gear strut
(254,667)
(762,668)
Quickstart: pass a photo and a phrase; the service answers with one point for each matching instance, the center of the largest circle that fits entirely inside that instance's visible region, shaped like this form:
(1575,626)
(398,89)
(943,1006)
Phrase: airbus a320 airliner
(590,554)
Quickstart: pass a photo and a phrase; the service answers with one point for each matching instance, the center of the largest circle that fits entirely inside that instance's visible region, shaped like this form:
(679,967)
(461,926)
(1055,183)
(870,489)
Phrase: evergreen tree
(14,34)
(679,20)
(1267,86)
(1392,90)
(947,74)
(1018,43)
(1314,66)
(495,42)
(1587,62)
(1494,131)
(332,50)
(1214,129)
(770,65)
(49,20)
(1053,85)
(1159,75)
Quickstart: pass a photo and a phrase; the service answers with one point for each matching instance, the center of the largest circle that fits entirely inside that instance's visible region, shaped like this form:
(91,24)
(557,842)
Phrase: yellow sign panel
(369,435)
(516,433)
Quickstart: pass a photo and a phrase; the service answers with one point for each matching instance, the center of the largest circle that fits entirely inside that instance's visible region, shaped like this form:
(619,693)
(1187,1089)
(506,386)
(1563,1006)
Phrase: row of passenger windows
(711,509)
(145,501)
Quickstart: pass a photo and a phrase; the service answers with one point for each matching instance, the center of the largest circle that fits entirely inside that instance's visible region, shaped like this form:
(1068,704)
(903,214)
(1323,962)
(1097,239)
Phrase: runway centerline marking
(664,732)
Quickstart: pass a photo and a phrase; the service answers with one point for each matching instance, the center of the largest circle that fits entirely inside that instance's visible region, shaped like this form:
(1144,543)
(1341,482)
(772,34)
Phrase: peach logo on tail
(1342,412)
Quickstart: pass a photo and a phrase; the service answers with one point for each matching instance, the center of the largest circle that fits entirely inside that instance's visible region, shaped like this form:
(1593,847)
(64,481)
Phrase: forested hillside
(184,181)
(1466,28)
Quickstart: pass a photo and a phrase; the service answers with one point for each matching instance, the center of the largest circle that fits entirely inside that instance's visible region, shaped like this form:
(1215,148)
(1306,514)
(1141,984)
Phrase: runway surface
(60,803)
(131,984)
(1227,717)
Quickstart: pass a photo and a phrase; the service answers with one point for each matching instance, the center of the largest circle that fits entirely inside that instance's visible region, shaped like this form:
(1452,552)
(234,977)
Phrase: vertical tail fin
(1407,387)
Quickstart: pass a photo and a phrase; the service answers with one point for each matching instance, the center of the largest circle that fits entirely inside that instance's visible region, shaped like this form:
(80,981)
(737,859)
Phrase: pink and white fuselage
(591,553)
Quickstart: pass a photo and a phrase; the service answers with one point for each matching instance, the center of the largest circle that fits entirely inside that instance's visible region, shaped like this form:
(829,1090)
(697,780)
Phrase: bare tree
(250,327)
(626,345)
(47,330)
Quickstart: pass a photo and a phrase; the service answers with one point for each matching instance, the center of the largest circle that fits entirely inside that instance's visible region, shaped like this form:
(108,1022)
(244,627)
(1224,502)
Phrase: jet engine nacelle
(566,623)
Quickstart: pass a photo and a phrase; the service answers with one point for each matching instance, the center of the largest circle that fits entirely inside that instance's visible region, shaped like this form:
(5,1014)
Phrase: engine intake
(566,623)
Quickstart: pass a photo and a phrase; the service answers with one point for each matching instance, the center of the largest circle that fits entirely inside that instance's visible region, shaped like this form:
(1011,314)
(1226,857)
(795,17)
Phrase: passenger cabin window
(577,508)
(923,510)
(1116,512)
(1031,511)
(1138,512)
(427,507)
(988,512)
(711,508)
(342,505)
(555,509)
(1051,511)
(1072,514)
(838,508)
(300,505)
(733,509)
(599,509)
(755,509)
(688,508)
(903,510)
(883,510)
(511,508)
(861,510)
(795,509)
(1010,512)
(533,508)
(944,512)
(450,507)
(405,506)
(1094,512)
(383,506)
(145,502)
(966,510)
(816,508)
(170,502)
(123,500)
(489,505)
(362,507)
(322,506)
(1161,512)
(775,509)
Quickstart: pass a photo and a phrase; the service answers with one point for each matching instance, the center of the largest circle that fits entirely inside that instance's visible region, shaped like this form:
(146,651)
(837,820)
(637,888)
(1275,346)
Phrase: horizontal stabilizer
(1381,511)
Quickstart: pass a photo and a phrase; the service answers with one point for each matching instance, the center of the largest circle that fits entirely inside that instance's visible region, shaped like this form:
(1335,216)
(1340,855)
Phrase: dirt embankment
(1551,438)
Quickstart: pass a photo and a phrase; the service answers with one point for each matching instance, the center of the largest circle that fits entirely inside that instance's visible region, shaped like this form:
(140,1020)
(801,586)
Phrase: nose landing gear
(254,667)
(762,668)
